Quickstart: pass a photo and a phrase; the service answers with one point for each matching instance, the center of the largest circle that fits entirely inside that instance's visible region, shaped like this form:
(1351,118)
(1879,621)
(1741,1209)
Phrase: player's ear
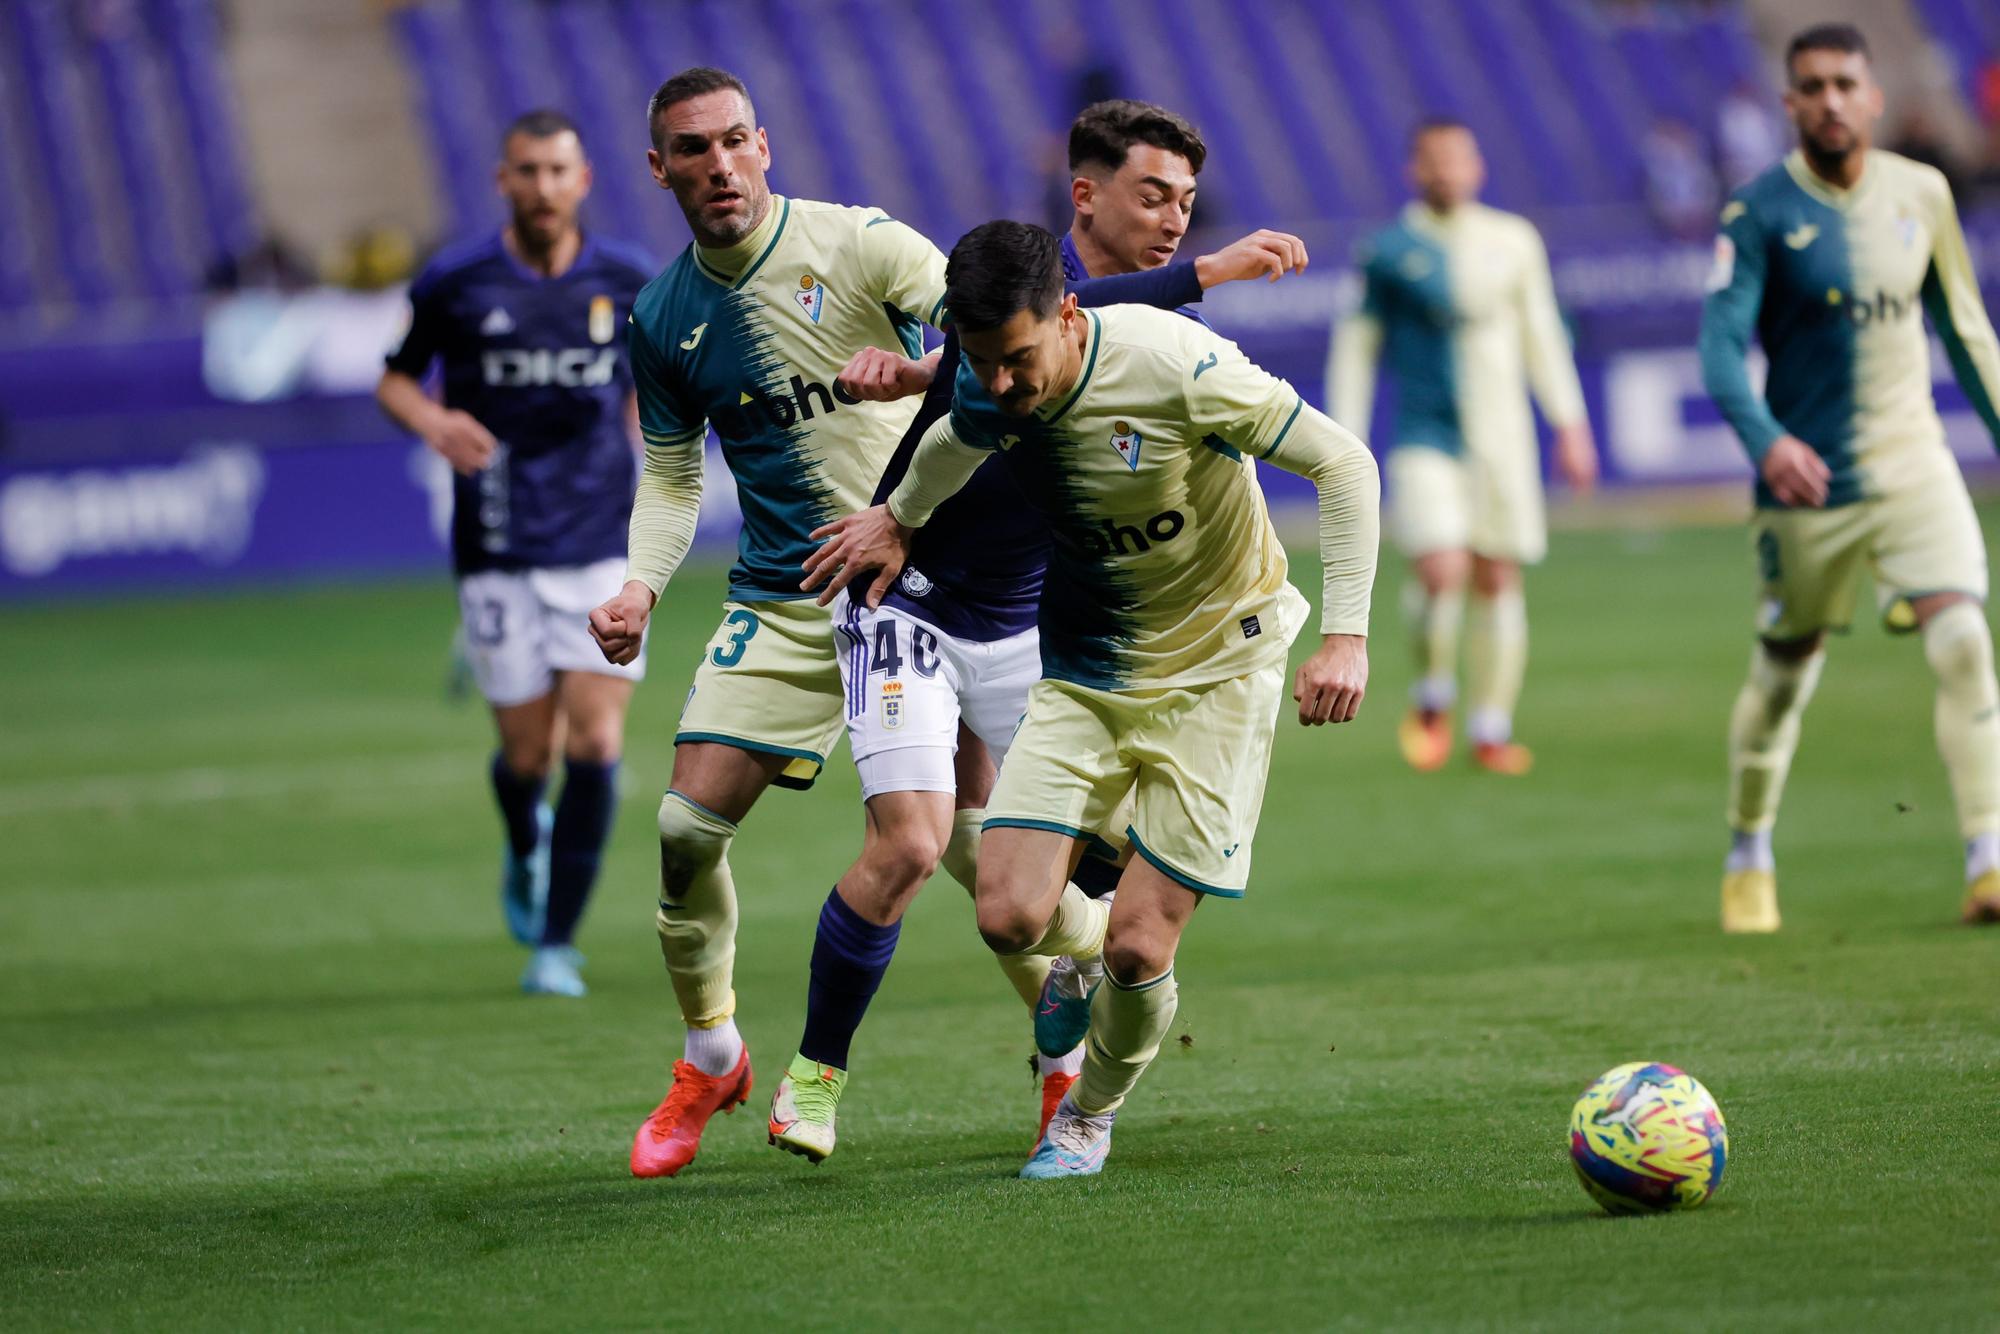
(763,149)
(584,178)
(1067,310)
(1081,189)
(658,166)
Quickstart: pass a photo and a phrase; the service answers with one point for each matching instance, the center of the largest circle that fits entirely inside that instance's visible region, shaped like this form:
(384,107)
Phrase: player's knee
(1132,957)
(527,758)
(691,841)
(1490,578)
(1006,927)
(597,744)
(1958,644)
(906,857)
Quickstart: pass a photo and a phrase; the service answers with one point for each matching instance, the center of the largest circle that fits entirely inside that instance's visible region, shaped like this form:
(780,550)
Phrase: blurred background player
(1828,257)
(749,331)
(1165,623)
(937,679)
(1459,303)
(536,423)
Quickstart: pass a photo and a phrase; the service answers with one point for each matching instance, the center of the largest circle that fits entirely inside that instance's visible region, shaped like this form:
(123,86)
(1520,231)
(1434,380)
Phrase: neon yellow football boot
(802,1110)
(1749,902)
(1982,900)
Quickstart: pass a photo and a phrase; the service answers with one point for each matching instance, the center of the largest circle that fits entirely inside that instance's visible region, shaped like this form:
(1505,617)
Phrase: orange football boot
(1425,736)
(1054,1085)
(1503,757)
(671,1136)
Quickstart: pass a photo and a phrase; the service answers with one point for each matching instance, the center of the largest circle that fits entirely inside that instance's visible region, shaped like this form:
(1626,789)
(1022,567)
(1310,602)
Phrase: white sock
(1433,694)
(1489,727)
(1068,1064)
(715,1051)
(1750,851)
(1982,854)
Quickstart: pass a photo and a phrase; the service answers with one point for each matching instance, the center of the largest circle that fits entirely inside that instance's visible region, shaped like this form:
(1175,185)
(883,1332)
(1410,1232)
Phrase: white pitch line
(180,787)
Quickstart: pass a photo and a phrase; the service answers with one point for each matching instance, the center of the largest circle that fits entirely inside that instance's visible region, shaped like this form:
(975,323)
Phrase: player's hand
(1576,457)
(462,441)
(877,375)
(1261,254)
(1796,475)
(855,545)
(619,626)
(1330,683)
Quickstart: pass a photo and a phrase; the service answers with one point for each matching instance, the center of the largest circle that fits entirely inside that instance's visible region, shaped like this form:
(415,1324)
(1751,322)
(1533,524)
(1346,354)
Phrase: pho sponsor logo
(204,506)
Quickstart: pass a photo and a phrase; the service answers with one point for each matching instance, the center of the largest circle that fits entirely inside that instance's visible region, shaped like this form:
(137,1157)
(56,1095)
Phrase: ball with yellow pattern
(1647,1138)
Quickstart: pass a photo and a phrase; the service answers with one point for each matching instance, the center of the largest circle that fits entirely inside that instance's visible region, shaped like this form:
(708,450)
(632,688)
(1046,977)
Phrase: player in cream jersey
(1459,309)
(1832,258)
(748,332)
(1165,621)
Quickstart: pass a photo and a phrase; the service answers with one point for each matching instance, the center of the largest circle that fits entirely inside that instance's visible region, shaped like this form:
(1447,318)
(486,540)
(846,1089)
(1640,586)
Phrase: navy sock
(518,798)
(850,954)
(583,823)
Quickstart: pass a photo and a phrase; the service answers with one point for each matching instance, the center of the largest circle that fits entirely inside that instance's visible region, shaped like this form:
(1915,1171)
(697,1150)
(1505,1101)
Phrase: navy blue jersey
(975,570)
(541,363)
(1074,273)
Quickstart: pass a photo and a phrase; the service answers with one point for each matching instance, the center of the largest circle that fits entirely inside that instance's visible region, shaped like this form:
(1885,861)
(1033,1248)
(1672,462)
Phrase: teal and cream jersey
(750,340)
(1165,570)
(1834,284)
(1460,309)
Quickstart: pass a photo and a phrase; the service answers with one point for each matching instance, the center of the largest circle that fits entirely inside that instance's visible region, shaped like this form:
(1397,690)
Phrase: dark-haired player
(1831,258)
(1165,621)
(528,324)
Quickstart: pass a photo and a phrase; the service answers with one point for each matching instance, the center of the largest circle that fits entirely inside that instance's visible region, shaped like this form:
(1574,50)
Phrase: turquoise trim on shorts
(1048,826)
(763,747)
(1186,881)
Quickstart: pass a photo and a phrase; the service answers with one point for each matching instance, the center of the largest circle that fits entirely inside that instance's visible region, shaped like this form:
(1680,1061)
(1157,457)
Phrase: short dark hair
(999,269)
(1432,125)
(692,83)
(1842,37)
(1104,133)
(541,123)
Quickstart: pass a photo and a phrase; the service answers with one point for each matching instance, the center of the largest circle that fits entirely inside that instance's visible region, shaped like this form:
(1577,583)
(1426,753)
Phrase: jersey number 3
(742,626)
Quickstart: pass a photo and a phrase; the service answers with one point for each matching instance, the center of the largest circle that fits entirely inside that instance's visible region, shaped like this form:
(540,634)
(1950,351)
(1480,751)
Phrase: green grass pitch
(262,1063)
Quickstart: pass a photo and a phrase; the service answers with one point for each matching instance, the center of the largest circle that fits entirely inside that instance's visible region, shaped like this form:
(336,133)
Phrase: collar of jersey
(1423,218)
(1825,191)
(1094,335)
(762,240)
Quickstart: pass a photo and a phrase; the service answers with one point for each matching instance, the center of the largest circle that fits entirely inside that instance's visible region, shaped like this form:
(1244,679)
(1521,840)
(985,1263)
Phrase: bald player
(1459,308)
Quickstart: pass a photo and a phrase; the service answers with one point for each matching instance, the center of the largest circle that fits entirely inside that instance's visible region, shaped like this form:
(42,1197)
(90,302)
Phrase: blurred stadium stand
(120,350)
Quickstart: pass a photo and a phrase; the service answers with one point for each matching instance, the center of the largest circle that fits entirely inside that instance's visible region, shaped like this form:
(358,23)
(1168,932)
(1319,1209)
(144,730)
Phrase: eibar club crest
(1127,441)
(811,296)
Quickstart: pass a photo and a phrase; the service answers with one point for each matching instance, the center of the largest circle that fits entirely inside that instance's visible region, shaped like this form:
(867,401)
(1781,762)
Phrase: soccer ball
(1647,1138)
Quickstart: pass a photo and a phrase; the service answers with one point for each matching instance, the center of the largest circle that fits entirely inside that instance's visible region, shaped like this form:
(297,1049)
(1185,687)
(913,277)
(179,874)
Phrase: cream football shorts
(1193,759)
(1466,502)
(1918,539)
(519,628)
(768,682)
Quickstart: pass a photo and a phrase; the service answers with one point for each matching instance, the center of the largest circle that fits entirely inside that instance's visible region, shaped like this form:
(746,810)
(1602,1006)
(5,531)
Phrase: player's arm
(665,508)
(878,538)
(1265,417)
(1951,296)
(453,435)
(1354,354)
(1551,366)
(1795,473)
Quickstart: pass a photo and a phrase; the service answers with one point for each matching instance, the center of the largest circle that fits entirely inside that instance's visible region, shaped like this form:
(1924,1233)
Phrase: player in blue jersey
(528,325)
(1831,258)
